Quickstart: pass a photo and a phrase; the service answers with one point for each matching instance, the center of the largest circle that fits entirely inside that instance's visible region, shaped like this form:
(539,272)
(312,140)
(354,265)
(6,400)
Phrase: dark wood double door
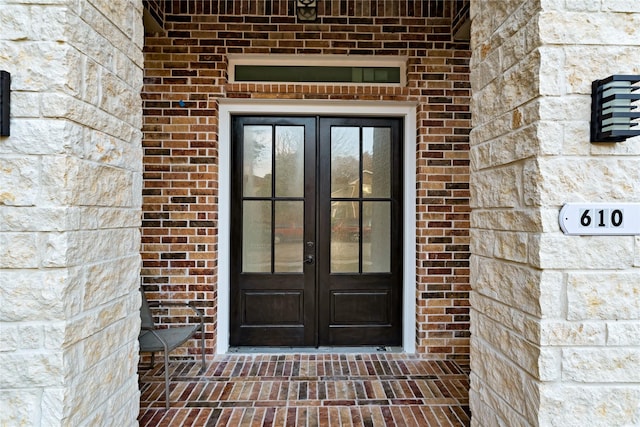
(316,246)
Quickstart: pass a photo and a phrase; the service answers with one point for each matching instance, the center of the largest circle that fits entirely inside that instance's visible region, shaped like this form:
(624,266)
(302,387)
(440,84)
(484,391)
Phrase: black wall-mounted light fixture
(307,10)
(5,102)
(614,108)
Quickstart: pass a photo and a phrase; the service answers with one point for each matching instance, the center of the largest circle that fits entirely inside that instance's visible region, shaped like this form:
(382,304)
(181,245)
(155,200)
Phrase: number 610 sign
(605,219)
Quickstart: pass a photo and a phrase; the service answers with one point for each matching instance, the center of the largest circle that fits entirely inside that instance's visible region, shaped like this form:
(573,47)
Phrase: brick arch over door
(186,77)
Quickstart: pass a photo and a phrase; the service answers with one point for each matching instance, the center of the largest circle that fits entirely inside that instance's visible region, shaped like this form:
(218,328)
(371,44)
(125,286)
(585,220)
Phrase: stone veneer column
(70,203)
(555,318)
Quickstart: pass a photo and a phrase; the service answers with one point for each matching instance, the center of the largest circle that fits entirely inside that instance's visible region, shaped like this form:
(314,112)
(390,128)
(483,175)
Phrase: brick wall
(185,76)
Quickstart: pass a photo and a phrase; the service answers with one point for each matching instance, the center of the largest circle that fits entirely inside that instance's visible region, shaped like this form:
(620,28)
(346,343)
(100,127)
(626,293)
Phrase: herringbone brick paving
(378,389)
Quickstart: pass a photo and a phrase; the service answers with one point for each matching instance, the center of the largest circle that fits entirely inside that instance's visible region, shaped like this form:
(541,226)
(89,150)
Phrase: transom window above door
(317,69)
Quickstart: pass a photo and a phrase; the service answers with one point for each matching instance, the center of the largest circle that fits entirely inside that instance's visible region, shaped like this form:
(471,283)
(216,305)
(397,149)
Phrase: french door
(316,247)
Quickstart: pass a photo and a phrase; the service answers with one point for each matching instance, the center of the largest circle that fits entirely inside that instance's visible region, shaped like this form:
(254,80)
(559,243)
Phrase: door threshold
(314,350)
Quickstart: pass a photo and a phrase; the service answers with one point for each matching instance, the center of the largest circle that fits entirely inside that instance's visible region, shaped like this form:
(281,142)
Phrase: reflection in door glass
(376,158)
(257,162)
(288,236)
(345,237)
(376,237)
(345,161)
(256,236)
(289,161)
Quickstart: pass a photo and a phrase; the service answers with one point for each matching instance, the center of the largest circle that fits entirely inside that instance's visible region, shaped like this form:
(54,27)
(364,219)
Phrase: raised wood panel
(353,308)
(272,308)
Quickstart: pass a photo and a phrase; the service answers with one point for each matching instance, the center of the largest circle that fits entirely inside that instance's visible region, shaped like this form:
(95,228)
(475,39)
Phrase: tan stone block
(54,334)
(584,28)
(97,384)
(511,246)
(496,187)
(112,151)
(47,70)
(70,181)
(550,364)
(584,64)
(603,405)
(23,105)
(521,82)
(574,137)
(480,157)
(601,365)
(552,294)
(21,336)
(518,145)
(623,333)
(564,108)
(105,218)
(18,250)
(513,285)
(33,369)
(109,280)
(603,295)
(21,407)
(511,318)
(501,380)
(95,347)
(52,407)
(630,147)
(55,249)
(510,344)
(528,220)
(584,5)
(562,333)
(19,181)
(38,219)
(482,242)
(555,250)
(552,71)
(36,294)
(621,6)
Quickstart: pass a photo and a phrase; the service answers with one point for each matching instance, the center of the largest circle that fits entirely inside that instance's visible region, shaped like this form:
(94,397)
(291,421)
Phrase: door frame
(405,110)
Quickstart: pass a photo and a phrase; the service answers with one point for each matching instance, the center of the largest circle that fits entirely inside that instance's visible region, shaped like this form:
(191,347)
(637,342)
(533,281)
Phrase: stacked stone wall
(70,200)
(555,318)
(185,76)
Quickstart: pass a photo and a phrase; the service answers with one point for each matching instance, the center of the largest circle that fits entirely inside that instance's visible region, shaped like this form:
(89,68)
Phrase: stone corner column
(555,318)
(70,203)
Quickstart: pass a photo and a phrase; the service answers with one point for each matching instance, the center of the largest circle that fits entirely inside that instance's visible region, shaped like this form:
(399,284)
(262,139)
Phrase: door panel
(316,246)
(359,263)
(273,216)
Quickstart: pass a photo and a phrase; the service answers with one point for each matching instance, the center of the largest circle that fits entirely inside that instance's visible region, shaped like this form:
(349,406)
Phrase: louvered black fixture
(5,104)
(614,108)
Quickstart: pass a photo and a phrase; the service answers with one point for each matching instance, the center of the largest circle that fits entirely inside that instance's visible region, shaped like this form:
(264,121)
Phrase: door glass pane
(376,162)
(345,237)
(289,161)
(376,237)
(345,161)
(257,162)
(256,236)
(289,234)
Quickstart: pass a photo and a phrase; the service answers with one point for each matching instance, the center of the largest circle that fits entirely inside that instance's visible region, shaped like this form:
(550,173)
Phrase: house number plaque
(604,219)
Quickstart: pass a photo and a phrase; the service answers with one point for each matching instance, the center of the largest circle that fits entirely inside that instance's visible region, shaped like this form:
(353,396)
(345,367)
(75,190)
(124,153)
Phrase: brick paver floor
(378,389)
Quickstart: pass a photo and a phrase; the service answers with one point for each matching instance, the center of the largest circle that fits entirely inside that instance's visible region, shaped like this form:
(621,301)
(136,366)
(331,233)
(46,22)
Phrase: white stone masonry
(70,202)
(555,318)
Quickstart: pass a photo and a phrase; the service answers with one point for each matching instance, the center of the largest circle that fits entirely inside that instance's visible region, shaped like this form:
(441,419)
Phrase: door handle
(308,259)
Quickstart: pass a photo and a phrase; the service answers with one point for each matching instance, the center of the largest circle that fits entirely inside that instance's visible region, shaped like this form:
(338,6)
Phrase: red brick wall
(185,75)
